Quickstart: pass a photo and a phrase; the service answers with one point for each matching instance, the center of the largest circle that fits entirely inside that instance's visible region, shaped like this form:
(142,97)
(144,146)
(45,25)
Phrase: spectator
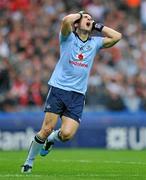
(142,13)
(29,51)
(4,78)
(97,9)
(114,101)
(4,49)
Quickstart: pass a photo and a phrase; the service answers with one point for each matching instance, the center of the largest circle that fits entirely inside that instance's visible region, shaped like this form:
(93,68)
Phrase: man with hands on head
(68,83)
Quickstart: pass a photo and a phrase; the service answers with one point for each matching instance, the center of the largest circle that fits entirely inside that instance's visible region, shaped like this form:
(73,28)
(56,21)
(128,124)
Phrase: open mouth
(88,24)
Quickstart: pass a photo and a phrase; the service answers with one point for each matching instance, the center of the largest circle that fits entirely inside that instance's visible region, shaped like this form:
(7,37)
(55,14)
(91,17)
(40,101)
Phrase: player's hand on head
(81,14)
(97,26)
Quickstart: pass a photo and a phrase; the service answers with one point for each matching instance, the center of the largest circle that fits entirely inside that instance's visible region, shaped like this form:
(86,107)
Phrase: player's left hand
(81,14)
(97,26)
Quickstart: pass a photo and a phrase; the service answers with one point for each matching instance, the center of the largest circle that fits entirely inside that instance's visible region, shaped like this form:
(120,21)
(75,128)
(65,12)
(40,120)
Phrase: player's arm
(111,36)
(67,22)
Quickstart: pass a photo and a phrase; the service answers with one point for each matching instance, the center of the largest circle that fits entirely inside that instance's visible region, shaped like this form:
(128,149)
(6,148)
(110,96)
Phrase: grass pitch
(76,164)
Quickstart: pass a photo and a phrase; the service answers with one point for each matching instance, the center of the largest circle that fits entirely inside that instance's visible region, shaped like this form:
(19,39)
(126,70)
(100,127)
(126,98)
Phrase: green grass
(76,164)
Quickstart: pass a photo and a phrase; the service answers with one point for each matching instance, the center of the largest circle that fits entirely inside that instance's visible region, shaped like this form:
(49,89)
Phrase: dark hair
(82,12)
(78,20)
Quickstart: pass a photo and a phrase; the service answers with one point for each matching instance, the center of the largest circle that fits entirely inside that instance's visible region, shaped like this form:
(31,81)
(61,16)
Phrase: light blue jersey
(76,58)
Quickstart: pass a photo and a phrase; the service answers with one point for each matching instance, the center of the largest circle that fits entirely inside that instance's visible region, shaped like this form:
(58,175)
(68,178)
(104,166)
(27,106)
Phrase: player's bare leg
(65,133)
(49,123)
(68,128)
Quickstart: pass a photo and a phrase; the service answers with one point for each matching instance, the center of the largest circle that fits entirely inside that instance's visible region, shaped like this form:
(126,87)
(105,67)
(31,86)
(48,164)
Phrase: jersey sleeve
(99,43)
(65,38)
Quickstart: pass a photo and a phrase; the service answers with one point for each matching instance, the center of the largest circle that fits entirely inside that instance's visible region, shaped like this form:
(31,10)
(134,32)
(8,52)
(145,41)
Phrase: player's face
(86,22)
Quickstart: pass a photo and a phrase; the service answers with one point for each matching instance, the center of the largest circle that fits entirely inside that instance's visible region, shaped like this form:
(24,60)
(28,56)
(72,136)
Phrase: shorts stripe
(49,92)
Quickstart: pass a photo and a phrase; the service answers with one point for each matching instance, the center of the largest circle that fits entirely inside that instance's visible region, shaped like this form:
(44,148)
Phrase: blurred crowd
(29,51)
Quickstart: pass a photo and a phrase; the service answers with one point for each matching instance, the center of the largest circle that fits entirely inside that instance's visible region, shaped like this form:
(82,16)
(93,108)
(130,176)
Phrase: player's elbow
(109,42)
(66,19)
(117,37)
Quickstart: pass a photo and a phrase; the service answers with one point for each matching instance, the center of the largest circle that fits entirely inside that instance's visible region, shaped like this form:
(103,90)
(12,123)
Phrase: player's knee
(46,131)
(65,135)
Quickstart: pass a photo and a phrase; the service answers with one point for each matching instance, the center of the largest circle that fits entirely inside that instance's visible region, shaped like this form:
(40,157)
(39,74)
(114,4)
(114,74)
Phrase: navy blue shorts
(65,103)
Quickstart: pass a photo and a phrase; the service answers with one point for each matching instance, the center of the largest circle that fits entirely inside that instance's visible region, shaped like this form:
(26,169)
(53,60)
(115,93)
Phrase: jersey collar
(80,38)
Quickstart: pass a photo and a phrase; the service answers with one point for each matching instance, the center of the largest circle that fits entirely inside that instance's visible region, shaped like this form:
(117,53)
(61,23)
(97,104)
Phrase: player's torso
(77,56)
(73,68)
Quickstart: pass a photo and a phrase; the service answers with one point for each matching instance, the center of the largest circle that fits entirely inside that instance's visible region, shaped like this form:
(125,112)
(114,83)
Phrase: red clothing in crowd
(133,3)
(15,4)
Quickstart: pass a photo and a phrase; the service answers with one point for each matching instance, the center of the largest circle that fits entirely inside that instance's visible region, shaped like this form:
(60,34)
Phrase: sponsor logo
(48,106)
(76,63)
(80,57)
(124,138)
(16,140)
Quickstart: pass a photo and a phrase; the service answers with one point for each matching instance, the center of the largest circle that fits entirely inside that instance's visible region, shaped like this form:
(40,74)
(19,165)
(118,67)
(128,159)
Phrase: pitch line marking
(74,175)
(19,175)
(106,162)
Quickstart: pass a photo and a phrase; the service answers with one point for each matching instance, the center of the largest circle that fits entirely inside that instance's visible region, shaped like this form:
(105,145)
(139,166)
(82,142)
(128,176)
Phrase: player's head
(84,23)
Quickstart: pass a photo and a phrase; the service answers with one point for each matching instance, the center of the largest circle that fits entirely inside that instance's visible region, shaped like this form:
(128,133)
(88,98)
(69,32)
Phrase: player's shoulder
(97,41)
(97,37)
(69,37)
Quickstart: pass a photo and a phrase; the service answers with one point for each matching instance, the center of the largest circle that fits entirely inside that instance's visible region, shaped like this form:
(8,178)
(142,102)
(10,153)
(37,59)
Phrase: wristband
(81,14)
(97,26)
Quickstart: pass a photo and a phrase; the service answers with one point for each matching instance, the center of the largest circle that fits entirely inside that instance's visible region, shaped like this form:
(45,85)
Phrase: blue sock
(35,148)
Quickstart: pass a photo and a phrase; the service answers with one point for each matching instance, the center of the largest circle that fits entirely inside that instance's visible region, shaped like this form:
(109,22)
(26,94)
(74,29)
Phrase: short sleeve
(65,38)
(99,43)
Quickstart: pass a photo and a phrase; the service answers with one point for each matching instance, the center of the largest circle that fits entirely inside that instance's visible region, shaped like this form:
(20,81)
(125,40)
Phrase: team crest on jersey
(88,48)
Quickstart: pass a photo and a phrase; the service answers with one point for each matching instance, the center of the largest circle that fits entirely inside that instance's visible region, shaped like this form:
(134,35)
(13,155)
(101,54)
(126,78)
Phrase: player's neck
(83,35)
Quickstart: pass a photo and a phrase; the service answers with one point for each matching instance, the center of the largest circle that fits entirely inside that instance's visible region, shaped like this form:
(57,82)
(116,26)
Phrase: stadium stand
(29,50)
